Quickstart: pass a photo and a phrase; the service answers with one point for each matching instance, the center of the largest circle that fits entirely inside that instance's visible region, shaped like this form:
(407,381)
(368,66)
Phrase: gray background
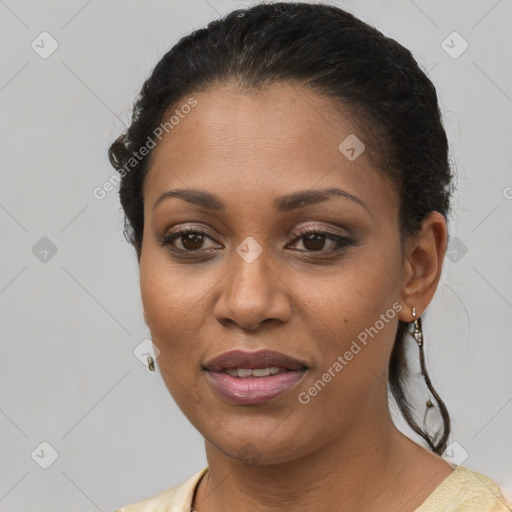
(71,320)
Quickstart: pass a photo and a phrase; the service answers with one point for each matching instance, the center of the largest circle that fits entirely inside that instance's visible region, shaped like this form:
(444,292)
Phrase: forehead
(263,144)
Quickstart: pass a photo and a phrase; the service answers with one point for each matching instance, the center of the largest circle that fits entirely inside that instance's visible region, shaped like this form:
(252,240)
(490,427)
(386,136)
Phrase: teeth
(261,372)
(256,372)
(243,372)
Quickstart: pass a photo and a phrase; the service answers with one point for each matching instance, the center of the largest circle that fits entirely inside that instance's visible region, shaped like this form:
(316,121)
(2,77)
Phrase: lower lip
(253,390)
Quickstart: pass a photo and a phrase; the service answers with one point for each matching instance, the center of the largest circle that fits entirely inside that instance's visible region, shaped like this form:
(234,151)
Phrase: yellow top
(463,490)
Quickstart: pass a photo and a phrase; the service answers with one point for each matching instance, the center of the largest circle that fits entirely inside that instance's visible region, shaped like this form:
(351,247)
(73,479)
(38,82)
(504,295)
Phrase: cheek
(172,302)
(175,299)
(170,293)
(357,292)
(351,313)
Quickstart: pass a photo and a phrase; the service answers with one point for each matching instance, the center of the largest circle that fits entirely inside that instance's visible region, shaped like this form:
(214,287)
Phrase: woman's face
(250,280)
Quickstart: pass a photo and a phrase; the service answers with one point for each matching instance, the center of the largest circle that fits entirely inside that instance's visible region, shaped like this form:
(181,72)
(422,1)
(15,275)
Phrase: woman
(286,187)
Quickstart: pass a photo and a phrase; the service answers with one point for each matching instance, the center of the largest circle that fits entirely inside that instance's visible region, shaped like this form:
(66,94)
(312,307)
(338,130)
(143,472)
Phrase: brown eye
(190,240)
(314,240)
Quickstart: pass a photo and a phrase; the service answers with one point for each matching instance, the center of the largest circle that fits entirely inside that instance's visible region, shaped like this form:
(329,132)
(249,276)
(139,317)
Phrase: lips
(249,378)
(263,358)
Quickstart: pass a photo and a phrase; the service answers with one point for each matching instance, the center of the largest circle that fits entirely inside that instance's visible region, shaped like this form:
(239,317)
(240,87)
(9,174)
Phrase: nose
(253,296)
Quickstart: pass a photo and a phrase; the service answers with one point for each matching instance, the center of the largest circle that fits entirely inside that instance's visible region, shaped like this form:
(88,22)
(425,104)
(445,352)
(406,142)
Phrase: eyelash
(342,242)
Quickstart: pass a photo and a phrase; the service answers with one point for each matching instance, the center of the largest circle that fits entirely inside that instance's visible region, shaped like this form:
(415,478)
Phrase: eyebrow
(284,203)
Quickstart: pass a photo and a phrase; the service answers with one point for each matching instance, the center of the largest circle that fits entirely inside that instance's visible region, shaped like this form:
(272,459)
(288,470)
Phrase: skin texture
(249,148)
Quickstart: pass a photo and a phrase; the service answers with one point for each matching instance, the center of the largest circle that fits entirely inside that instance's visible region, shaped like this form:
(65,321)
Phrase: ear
(423,264)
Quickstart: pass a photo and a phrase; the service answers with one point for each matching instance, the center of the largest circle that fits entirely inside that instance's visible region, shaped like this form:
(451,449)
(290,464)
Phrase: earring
(418,331)
(151,364)
(418,336)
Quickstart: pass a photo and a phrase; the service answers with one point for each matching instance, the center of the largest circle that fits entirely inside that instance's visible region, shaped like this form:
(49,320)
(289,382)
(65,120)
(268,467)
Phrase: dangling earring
(418,331)
(437,445)
(429,404)
(151,364)
(418,336)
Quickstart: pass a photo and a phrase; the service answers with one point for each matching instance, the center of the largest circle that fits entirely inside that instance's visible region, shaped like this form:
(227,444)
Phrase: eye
(315,240)
(191,239)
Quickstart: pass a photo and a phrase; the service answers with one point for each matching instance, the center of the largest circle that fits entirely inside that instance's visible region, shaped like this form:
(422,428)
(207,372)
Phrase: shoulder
(466,490)
(177,498)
